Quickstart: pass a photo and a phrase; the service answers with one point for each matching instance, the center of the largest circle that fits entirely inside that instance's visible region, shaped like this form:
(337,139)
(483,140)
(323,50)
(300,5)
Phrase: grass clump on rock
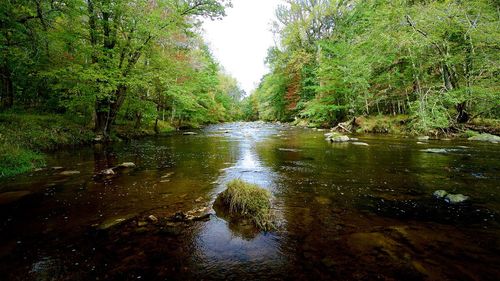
(243,199)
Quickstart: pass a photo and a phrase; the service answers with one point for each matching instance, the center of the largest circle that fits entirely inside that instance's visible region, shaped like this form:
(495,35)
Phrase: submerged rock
(189,133)
(440,193)
(423,138)
(69,173)
(456,198)
(152,218)
(108,172)
(12,196)
(486,137)
(360,143)
(436,150)
(449,197)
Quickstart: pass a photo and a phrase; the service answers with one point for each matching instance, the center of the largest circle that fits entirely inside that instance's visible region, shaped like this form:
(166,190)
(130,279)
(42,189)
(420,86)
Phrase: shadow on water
(344,211)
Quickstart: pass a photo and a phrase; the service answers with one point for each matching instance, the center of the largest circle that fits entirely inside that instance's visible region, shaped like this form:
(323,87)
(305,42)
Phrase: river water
(343,211)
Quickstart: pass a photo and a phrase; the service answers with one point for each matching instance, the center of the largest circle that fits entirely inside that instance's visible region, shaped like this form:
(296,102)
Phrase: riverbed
(343,211)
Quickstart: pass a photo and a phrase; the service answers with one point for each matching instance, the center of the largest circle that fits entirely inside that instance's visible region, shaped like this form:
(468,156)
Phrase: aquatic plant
(250,201)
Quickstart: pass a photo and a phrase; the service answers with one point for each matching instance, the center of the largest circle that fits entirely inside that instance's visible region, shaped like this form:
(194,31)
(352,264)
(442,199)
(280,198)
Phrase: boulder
(486,137)
(456,198)
(107,172)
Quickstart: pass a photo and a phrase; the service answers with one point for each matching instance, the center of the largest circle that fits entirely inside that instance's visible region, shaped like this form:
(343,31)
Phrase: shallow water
(344,211)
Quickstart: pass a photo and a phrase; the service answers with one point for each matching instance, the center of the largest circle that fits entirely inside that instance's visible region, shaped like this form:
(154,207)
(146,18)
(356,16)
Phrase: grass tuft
(250,201)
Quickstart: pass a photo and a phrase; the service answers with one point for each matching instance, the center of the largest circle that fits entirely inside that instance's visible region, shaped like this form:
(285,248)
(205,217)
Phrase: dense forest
(433,63)
(138,61)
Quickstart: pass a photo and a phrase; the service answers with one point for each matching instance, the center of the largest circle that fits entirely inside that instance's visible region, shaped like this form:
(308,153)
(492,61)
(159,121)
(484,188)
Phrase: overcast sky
(240,41)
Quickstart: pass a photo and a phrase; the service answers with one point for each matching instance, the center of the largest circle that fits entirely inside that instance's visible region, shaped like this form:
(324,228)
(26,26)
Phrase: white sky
(240,40)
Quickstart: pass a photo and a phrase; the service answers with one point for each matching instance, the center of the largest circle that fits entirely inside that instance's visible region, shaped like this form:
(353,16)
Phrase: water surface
(343,211)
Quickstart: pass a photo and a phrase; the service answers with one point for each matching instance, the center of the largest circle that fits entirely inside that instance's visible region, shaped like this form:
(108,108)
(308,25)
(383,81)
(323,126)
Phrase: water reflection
(226,246)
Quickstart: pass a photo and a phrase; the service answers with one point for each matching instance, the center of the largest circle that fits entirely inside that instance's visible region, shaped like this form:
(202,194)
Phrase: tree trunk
(107,110)
(6,87)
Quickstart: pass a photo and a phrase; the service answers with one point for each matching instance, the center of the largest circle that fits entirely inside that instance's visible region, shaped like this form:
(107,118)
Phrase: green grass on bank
(249,200)
(25,136)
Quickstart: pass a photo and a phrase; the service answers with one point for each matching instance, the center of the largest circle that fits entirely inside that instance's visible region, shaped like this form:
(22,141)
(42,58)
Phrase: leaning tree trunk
(6,87)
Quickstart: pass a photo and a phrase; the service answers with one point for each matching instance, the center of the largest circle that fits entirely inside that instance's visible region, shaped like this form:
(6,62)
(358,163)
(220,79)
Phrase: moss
(249,201)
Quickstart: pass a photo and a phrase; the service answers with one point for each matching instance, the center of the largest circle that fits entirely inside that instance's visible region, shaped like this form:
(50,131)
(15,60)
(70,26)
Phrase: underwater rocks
(69,173)
(450,198)
(12,196)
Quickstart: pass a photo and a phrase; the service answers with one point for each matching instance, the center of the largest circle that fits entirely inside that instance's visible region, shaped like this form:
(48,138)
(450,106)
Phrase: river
(343,211)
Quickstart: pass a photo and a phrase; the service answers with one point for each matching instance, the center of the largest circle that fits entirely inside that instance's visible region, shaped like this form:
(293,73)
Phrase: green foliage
(115,61)
(434,60)
(249,200)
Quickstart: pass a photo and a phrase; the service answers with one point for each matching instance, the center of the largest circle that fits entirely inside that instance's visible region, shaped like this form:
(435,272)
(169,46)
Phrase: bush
(250,201)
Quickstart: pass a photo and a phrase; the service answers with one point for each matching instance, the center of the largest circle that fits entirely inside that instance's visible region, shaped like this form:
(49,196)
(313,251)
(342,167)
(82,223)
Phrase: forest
(435,64)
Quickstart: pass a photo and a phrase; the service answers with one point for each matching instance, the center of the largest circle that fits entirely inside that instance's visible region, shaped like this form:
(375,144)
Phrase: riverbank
(26,137)
(401,125)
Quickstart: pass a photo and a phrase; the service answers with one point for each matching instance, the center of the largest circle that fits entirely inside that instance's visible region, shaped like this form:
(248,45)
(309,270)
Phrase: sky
(240,40)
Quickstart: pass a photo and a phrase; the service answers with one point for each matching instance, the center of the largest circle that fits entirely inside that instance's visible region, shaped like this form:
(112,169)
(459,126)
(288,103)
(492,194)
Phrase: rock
(153,219)
(486,137)
(199,199)
(423,138)
(141,223)
(189,133)
(440,194)
(107,172)
(69,173)
(419,142)
(57,168)
(167,175)
(12,196)
(99,138)
(127,165)
(456,198)
(436,150)
(335,137)
(113,222)
(360,143)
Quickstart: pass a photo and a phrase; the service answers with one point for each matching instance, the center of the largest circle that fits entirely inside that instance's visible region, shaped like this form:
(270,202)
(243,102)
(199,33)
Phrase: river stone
(423,138)
(456,198)
(486,137)
(336,137)
(436,150)
(440,193)
(127,165)
(189,133)
(69,173)
(12,196)
(108,172)
(360,143)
